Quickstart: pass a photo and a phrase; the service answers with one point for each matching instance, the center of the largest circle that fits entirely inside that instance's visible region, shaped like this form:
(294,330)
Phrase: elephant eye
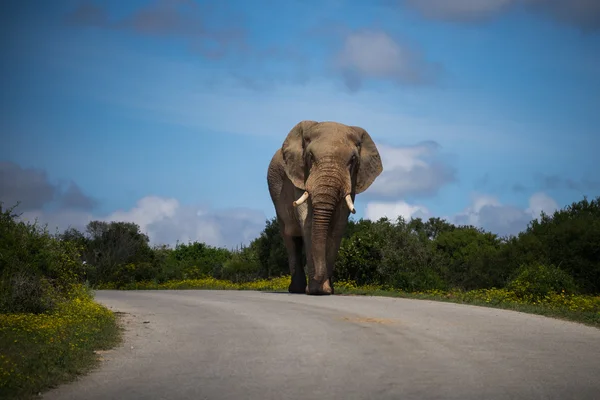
(352,160)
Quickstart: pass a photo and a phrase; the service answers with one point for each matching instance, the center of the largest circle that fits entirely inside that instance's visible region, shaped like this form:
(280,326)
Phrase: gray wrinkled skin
(329,160)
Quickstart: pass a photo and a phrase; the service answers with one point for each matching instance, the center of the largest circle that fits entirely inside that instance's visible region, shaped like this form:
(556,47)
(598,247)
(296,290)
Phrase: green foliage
(570,238)
(43,350)
(37,271)
(536,281)
(49,324)
(197,260)
(390,254)
(110,245)
(271,251)
(470,256)
(243,266)
(413,255)
(359,257)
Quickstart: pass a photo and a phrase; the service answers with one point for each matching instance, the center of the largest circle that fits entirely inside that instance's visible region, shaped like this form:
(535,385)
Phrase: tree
(469,254)
(113,244)
(570,239)
(271,251)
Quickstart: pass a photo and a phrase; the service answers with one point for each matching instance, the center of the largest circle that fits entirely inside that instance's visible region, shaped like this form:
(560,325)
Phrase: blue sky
(167,113)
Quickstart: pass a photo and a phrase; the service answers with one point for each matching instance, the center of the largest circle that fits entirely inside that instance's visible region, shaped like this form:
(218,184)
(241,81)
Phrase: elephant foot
(316,288)
(297,286)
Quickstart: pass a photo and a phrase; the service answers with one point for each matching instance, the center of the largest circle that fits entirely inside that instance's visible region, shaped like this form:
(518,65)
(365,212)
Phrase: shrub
(409,260)
(420,280)
(358,259)
(243,266)
(571,238)
(45,349)
(37,270)
(271,251)
(395,255)
(198,260)
(535,281)
(469,257)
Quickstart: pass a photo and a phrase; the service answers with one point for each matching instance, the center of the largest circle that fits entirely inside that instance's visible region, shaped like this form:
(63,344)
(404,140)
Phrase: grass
(577,308)
(40,351)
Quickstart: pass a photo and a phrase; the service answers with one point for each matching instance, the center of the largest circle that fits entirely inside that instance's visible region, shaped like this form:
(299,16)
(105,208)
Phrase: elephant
(313,180)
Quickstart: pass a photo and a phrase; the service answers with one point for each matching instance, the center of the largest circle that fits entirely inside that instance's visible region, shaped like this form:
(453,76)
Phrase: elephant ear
(293,153)
(370,161)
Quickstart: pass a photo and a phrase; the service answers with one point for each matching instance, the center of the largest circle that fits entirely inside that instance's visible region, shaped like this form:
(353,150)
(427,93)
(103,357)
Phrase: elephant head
(331,162)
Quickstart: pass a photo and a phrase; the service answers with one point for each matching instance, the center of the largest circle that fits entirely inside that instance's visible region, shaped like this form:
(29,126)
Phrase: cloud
(214,30)
(485,212)
(550,182)
(504,219)
(169,18)
(411,171)
(459,10)
(33,189)
(371,54)
(165,220)
(545,182)
(539,202)
(584,14)
(392,210)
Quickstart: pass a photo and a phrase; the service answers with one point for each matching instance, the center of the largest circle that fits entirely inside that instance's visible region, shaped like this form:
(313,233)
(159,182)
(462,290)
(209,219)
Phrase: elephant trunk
(319,279)
(328,186)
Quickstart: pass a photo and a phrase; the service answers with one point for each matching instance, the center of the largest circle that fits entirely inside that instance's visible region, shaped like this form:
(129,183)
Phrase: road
(253,345)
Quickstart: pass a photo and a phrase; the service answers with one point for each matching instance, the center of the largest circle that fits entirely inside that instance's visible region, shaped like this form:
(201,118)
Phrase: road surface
(253,345)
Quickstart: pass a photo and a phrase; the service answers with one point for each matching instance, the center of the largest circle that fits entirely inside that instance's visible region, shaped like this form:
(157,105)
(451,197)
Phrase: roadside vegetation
(50,325)
(551,268)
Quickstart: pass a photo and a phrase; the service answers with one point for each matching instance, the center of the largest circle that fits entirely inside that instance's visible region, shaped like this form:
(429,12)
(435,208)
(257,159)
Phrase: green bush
(571,238)
(535,281)
(393,255)
(271,251)
(419,280)
(409,259)
(359,258)
(243,266)
(413,255)
(37,270)
(129,273)
(198,260)
(469,256)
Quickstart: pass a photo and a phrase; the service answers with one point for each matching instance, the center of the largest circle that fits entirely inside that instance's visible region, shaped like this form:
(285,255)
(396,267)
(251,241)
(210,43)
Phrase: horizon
(166,113)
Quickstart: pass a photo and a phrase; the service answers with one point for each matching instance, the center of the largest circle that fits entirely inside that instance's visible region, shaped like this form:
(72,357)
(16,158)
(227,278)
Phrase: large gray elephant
(313,179)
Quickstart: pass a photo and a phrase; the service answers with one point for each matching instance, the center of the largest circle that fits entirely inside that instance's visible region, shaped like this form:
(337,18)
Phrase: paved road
(252,345)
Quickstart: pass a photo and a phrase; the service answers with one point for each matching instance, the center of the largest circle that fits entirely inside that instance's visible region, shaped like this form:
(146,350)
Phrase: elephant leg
(293,244)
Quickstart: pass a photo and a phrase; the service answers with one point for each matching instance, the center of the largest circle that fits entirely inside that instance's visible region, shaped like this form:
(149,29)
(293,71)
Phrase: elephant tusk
(350,204)
(301,200)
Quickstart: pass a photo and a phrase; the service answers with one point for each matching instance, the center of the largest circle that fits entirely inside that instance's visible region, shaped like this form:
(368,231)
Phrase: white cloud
(411,170)
(485,211)
(167,221)
(490,214)
(375,54)
(392,210)
(539,202)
